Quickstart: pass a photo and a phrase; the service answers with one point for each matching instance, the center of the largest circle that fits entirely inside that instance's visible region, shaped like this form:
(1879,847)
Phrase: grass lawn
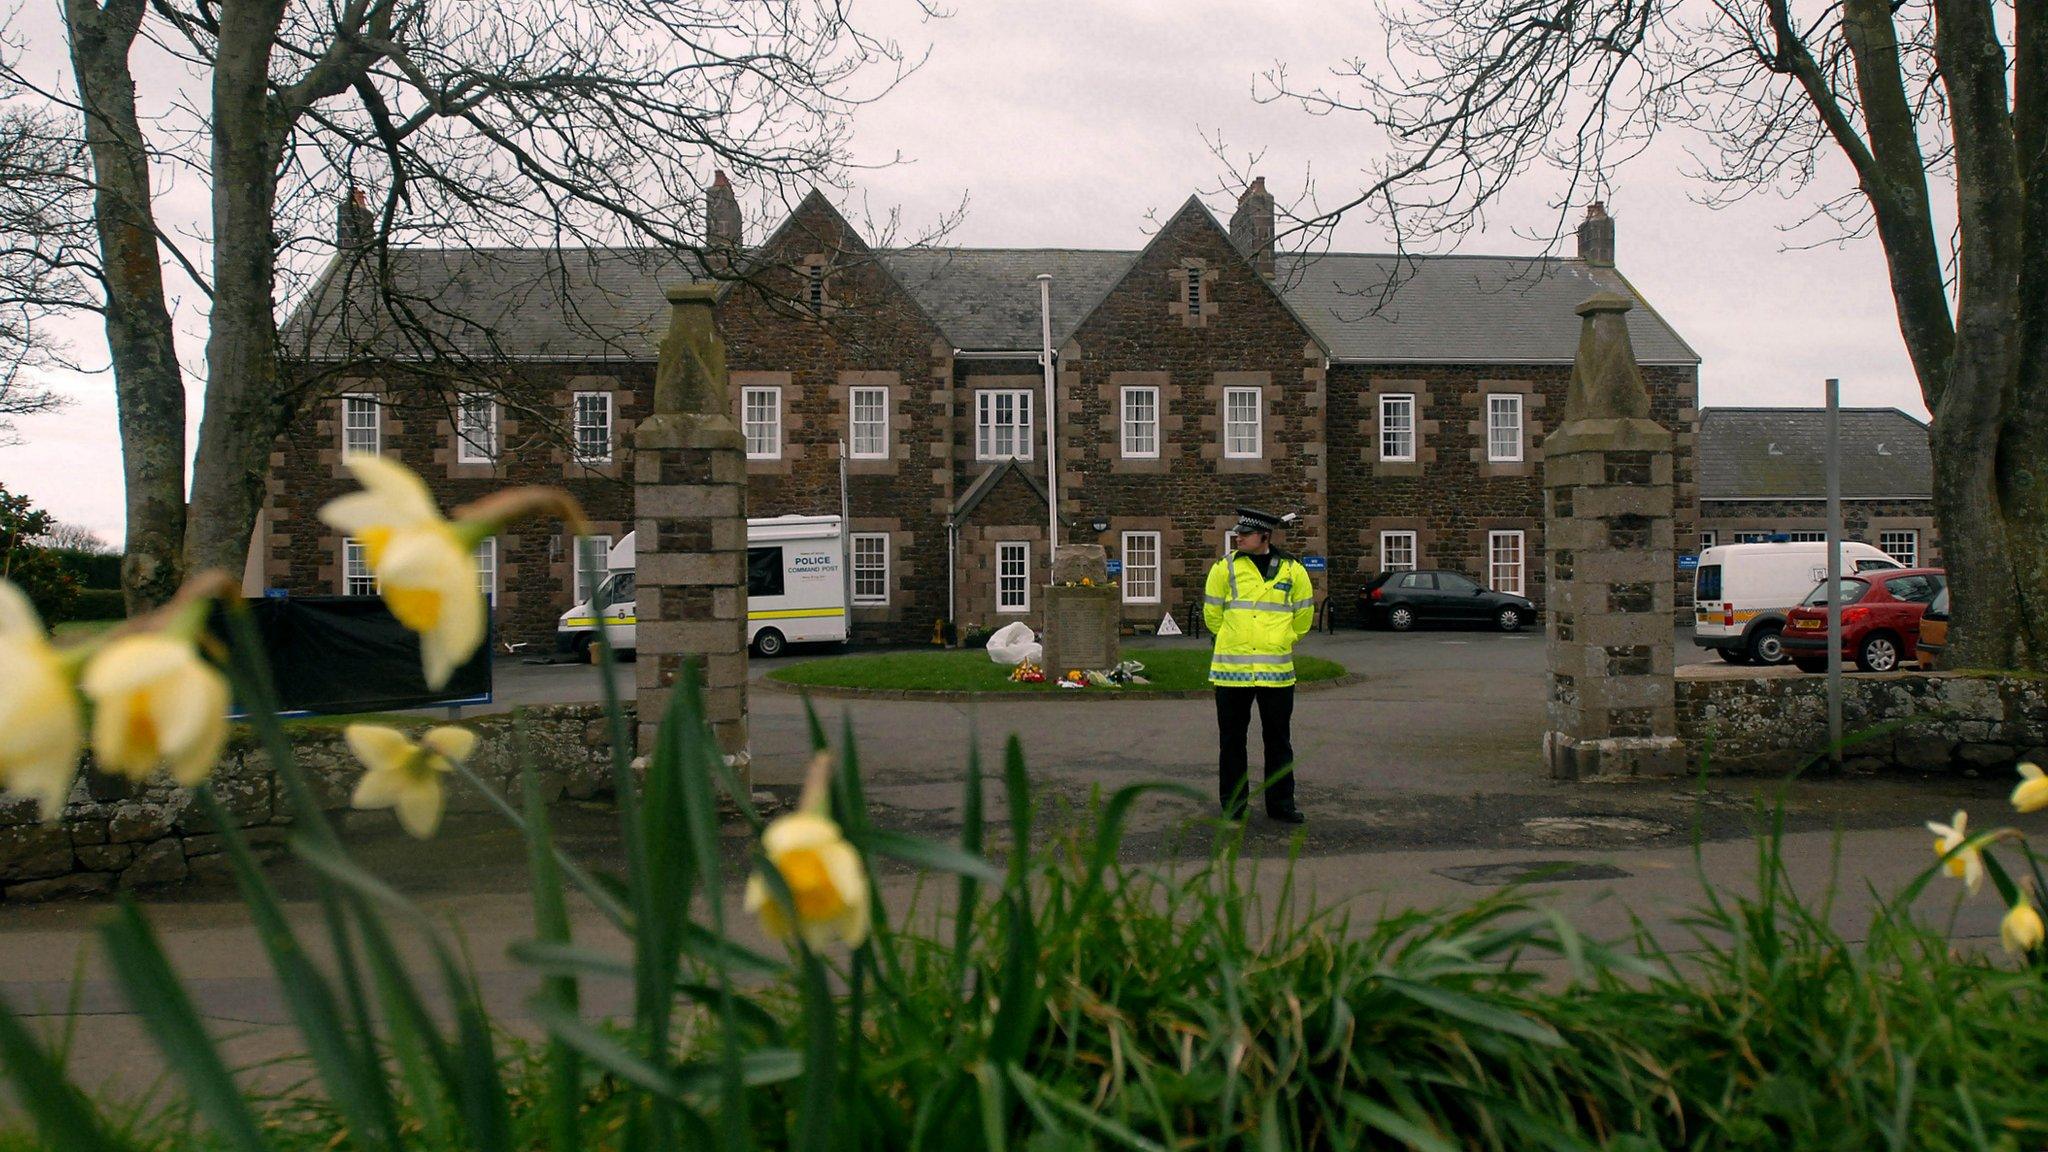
(970,670)
(73,631)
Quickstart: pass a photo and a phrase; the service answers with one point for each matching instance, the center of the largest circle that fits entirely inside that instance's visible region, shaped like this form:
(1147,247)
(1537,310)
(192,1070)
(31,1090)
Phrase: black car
(1401,600)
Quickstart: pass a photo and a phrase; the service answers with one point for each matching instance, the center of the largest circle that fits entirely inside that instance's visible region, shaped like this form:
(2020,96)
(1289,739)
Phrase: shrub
(98,604)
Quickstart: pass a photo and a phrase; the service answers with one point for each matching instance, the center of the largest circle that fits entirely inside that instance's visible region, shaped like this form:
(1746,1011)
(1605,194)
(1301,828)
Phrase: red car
(1880,620)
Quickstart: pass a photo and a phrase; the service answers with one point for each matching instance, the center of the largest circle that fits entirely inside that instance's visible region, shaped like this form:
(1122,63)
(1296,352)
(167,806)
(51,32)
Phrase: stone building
(1763,475)
(1395,402)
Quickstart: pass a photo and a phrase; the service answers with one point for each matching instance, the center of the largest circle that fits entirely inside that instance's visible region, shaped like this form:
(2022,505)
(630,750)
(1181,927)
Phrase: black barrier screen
(349,654)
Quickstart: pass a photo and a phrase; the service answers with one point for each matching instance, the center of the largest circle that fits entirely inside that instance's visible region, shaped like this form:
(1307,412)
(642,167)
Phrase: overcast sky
(1065,124)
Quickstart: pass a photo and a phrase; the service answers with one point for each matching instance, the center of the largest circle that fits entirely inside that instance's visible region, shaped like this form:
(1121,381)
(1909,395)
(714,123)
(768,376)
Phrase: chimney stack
(355,226)
(1596,236)
(722,228)
(1251,226)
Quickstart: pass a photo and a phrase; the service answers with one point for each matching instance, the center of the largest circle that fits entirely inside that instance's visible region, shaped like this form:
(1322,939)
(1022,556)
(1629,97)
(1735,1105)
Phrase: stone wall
(117,835)
(1452,497)
(1861,520)
(1936,722)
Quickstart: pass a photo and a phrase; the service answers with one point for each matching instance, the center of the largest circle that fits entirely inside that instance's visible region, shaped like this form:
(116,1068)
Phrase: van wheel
(1767,646)
(769,643)
(581,651)
(1879,653)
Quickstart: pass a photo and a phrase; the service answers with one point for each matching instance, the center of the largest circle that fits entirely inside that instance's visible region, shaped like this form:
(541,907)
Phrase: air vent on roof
(1774,450)
(1882,450)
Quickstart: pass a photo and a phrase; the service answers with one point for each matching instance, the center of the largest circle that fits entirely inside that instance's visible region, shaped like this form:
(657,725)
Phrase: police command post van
(796,589)
(1741,592)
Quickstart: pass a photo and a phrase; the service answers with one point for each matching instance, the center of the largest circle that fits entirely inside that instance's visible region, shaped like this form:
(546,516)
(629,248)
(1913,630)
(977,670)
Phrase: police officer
(1257,604)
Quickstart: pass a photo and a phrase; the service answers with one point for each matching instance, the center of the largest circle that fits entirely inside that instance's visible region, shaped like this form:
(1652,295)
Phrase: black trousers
(1233,724)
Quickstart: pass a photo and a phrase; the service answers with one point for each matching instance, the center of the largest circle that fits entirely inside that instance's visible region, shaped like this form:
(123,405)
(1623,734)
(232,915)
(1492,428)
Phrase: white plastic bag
(1013,644)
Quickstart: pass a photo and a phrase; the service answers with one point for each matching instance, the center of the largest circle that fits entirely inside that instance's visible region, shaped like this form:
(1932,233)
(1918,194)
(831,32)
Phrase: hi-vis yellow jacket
(1256,621)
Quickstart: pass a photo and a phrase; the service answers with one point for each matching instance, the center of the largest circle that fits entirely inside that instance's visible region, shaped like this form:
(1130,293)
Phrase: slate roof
(608,303)
(1780,454)
(1452,309)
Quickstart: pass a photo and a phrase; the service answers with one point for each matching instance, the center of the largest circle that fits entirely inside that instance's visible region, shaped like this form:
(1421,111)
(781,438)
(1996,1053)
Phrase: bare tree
(1473,95)
(45,250)
(75,538)
(550,123)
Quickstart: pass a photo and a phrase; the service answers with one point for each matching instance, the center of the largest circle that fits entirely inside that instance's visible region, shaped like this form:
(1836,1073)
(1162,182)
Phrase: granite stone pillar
(1608,497)
(690,513)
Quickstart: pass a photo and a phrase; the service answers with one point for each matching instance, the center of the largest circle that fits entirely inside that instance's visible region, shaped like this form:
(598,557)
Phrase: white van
(1741,592)
(796,589)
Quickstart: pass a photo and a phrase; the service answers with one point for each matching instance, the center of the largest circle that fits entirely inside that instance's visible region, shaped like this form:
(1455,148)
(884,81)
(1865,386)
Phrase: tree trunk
(245,408)
(148,386)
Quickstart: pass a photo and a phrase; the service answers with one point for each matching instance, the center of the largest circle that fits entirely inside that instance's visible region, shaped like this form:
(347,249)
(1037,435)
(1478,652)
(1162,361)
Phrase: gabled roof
(608,303)
(1781,454)
(986,483)
(1461,309)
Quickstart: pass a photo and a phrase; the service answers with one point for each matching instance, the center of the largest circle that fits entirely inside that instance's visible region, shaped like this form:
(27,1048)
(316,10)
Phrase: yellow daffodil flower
(429,582)
(404,775)
(828,886)
(393,500)
(41,735)
(2031,795)
(155,702)
(2021,930)
(1967,866)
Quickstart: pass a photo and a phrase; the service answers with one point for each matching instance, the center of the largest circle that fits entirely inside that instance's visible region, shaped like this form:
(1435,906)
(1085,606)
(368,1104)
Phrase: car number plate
(1809,624)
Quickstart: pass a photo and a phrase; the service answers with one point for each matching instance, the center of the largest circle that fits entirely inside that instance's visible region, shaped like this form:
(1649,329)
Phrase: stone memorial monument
(1608,497)
(1082,625)
(690,513)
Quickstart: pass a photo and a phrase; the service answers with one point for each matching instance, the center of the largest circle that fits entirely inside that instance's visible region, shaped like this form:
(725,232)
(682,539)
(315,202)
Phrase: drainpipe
(1052,468)
(952,572)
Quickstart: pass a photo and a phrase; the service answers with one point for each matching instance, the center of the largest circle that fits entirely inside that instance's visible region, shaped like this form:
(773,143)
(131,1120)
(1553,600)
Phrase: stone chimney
(1251,226)
(722,227)
(355,226)
(1596,236)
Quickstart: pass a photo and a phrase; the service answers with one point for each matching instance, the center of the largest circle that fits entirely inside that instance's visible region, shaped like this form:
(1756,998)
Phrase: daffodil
(2031,795)
(828,887)
(404,775)
(393,500)
(156,702)
(428,580)
(1967,866)
(41,735)
(2021,930)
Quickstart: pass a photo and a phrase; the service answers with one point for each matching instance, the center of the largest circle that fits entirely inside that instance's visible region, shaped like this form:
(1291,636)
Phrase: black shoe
(1234,815)
(1290,816)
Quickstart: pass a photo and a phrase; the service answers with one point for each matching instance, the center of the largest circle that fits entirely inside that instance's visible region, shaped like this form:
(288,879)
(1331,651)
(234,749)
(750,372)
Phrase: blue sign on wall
(1688,563)
(1116,567)
(277,593)
(1315,563)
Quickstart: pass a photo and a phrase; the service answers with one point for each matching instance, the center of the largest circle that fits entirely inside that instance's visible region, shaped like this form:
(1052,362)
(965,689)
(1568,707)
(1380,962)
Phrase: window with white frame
(356,577)
(871,568)
(1504,426)
(1397,551)
(1243,422)
(1708,538)
(592,554)
(593,427)
(361,430)
(1013,576)
(1901,544)
(476,429)
(1397,427)
(1002,424)
(868,409)
(1504,561)
(1141,568)
(761,422)
(1807,537)
(487,569)
(1141,422)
